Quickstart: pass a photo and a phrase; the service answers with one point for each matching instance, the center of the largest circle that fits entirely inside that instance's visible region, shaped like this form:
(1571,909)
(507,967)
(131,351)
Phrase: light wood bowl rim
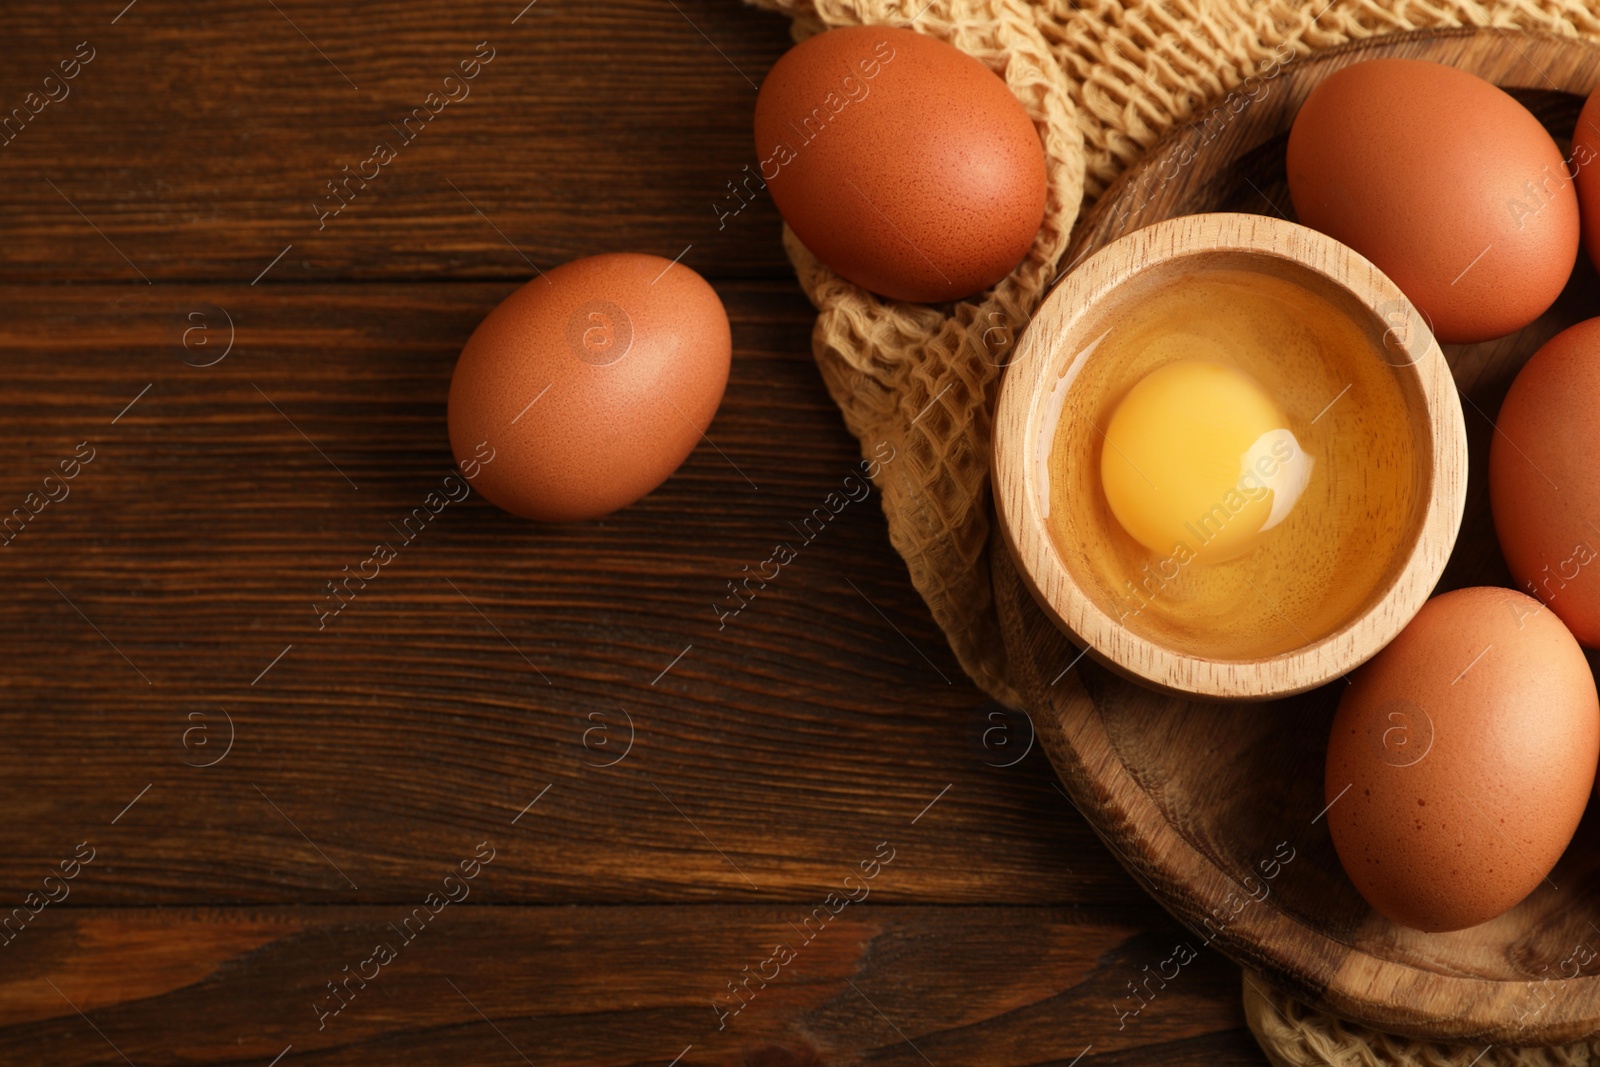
(1044,353)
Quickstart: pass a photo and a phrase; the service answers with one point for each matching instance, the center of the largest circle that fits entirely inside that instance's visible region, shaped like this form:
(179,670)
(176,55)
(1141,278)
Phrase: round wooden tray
(1217,809)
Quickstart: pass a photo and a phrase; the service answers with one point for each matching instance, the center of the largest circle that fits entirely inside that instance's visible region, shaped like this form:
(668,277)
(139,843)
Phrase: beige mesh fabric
(1102,80)
(1293,1035)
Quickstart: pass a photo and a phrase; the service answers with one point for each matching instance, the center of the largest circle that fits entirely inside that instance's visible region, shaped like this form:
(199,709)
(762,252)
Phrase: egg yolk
(1199,462)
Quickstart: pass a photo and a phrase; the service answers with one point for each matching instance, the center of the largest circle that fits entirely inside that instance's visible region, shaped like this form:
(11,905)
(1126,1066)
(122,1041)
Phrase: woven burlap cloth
(1102,81)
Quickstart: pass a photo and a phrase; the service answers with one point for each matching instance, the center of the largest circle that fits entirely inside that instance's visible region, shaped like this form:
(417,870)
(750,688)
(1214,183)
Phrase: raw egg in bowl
(1229,459)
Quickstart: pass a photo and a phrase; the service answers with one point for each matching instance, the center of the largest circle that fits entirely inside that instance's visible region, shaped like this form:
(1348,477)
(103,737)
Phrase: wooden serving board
(1217,809)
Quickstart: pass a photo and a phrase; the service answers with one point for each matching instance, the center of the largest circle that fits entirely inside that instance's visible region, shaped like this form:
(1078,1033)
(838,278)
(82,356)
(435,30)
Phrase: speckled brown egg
(1461,758)
(1544,478)
(903,163)
(1446,183)
(1584,165)
(588,386)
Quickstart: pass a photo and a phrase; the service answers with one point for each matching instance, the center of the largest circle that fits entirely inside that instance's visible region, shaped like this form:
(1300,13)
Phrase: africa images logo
(599,333)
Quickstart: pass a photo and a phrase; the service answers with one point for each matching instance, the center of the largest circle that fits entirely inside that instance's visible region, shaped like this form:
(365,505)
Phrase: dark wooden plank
(197,540)
(165,603)
(196,140)
(876,984)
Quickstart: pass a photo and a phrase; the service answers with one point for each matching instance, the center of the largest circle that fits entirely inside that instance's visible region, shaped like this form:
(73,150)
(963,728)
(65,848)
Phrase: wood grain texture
(876,984)
(1054,389)
(486,687)
(1201,801)
(198,142)
(200,540)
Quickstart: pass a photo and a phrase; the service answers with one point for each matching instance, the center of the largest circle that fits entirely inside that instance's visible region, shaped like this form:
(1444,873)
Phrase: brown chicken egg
(589,385)
(904,164)
(1544,478)
(1584,165)
(1446,183)
(1461,759)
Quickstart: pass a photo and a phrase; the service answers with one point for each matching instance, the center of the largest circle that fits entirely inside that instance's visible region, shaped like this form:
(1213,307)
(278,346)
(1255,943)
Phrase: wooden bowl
(1055,385)
(1203,802)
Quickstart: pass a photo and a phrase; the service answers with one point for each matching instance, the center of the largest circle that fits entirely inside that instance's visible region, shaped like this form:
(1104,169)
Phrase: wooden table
(218,394)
